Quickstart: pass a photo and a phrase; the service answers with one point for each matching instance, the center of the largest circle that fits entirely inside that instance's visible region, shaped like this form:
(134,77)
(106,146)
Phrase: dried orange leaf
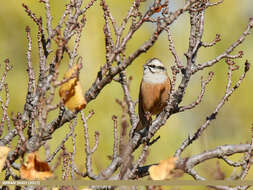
(3,155)
(164,170)
(34,168)
(71,91)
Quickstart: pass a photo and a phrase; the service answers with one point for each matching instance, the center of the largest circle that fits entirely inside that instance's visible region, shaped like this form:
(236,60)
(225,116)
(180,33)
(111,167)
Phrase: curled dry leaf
(71,91)
(3,155)
(165,170)
(34,168)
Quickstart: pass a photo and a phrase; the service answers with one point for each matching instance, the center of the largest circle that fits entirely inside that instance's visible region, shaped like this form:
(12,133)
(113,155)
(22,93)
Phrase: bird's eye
(152,66)
(160,67)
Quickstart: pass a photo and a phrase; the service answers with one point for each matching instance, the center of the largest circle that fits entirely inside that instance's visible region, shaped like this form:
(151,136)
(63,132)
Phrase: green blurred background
(233,123)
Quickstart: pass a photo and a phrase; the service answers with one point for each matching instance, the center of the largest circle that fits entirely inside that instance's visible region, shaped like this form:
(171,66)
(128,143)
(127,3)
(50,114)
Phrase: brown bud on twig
(229,62)
(247,65)
(240,54)
(27,29)
(235,67)
(251,22)
(218,37)
(7,60)
(114,117)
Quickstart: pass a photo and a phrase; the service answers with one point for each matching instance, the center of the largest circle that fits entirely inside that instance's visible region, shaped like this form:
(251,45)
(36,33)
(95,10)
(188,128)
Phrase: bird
(154,92)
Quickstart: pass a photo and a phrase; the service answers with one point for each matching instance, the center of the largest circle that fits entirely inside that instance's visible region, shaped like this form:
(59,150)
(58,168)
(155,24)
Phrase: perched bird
(154,92)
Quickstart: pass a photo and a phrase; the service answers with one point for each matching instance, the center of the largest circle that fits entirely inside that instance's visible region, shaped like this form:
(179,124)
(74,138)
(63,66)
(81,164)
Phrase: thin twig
(87,146)
(212,116)
(59,147)
(204,83)
(228,50)
(173,50)
(115,135)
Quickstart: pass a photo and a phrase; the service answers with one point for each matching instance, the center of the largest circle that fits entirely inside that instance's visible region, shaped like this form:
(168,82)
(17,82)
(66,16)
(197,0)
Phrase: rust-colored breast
(154,96)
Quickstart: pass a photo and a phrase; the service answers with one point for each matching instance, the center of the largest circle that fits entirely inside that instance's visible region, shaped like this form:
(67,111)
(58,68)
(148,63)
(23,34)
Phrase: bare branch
(204,83)
(72,167)
(139,162)
(61,145)
(214,42)
(231,163)
(115,135)
(127,97)
(109,46)
(65,164)
(212,116)
(229,50)
(173,50)
(49,22)
(79,30)
(187,164)
(88,6)
(248,156)
(4,106)
(87,146)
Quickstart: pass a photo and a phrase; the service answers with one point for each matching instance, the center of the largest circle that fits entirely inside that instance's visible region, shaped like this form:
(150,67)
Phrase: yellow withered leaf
(71,91)
(4,150)
(164,170)
(34,168)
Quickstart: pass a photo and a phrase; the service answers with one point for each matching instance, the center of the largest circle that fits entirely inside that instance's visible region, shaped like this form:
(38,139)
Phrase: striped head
(154,71)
